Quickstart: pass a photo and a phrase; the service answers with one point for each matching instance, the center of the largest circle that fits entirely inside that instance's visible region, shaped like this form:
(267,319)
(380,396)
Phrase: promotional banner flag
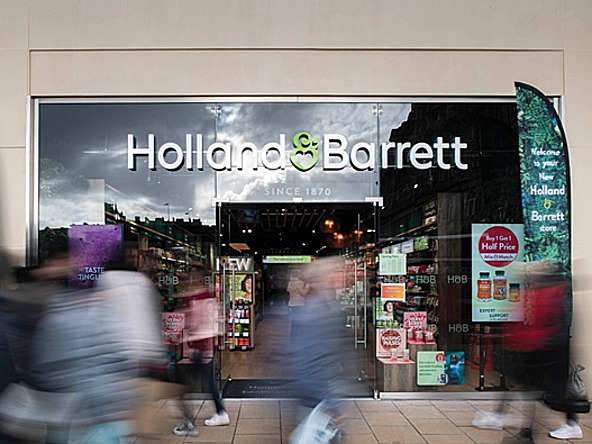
(544,178)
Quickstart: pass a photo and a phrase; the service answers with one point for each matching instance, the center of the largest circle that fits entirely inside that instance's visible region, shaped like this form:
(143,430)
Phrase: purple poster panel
(92,247)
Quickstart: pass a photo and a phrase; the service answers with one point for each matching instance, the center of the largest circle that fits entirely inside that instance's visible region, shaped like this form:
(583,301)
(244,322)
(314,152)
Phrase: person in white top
(297,290)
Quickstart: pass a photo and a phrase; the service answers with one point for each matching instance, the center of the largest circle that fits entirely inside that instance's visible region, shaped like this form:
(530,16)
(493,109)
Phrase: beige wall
(308,47)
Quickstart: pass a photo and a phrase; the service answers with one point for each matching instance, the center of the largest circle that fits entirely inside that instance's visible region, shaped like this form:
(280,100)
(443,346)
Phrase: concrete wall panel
(13,94)
(576,24)
(578,96)
(14,29)
(389,24)
(12,199)
(580,160)
(441,73)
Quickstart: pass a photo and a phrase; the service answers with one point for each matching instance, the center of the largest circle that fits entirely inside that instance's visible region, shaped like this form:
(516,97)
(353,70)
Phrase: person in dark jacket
(22,304)
(319,341)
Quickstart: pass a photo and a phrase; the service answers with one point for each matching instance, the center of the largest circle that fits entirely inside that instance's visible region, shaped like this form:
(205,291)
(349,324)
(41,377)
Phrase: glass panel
(155,168)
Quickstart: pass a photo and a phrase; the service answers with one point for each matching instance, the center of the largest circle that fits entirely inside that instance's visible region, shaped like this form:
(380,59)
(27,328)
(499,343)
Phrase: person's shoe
(219,419)
(567,431)
(186,429)
(489,420)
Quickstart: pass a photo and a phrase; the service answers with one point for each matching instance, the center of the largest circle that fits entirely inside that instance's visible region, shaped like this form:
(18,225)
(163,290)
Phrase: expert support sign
(496,285)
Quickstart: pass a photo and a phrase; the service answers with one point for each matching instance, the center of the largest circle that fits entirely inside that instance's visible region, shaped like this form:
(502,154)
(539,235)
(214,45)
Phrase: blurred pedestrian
(203,323)
(80,349)
(134,301)
(21,305)
(316,349)
(297,291)
(575,399)
(537,349)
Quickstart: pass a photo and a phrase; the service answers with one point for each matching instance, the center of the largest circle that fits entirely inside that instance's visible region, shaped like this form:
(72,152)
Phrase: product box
(415,322)
(172,327)
(388,339)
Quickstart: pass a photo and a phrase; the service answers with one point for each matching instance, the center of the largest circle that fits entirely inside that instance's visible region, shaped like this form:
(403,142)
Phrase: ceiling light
(329,225)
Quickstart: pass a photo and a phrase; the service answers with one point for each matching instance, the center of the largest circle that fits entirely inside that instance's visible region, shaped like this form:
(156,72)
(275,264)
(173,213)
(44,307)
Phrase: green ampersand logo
(305,153)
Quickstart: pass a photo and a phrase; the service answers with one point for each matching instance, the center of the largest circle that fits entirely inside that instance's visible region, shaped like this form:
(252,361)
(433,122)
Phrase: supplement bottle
(499,285)
(484,286)
(514,293)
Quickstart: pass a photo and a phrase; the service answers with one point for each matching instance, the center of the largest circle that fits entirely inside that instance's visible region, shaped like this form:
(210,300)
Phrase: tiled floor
(368,421)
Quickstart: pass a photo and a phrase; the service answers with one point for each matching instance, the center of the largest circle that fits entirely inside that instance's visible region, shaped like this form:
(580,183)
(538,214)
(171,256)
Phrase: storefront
(203,192)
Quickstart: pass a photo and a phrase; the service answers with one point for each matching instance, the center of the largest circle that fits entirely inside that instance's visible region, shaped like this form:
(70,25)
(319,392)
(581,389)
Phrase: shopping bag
(319,427)
(575,398)
(26,412)
(575,390)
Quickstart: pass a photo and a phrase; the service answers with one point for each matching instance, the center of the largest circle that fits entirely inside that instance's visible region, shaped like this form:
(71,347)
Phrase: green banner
(544,178)
(286,259)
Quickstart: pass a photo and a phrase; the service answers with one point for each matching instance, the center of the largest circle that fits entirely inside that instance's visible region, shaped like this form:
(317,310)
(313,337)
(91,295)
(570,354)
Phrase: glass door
(235,290)
(356,309)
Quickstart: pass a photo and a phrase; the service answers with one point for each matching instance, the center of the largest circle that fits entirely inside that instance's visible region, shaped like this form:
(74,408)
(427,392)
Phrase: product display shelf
(422,281)
(239,328)
(398,375)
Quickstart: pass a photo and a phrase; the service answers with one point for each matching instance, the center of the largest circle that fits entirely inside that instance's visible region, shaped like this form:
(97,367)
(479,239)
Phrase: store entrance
(264,250)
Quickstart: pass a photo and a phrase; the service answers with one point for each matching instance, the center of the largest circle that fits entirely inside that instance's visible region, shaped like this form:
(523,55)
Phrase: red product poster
(172,327)
(415,321)
(388,339)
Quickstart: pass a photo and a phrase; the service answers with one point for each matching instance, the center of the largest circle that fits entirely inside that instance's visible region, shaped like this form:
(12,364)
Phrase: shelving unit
(422,281)
(441,282)
(239,310)
(239,327)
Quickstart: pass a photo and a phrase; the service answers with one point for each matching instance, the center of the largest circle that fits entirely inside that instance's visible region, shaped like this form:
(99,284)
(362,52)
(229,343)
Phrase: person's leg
(571,418)
(516,365)
(187,426)
(185,408)
(206,369)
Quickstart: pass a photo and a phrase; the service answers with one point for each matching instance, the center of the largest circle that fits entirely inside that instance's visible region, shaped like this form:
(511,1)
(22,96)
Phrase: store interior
(253,356)
(275,231)
(282,238)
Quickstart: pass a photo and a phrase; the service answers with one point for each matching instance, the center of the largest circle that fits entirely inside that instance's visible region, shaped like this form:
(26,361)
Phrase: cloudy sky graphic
(89,141)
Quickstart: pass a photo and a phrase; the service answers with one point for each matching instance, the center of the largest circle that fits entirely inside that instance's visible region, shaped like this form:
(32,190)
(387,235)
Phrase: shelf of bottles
(238,330)
(236,292)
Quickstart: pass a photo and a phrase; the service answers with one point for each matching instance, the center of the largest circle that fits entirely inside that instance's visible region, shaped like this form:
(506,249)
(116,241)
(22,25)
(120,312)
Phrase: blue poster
(455,367)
